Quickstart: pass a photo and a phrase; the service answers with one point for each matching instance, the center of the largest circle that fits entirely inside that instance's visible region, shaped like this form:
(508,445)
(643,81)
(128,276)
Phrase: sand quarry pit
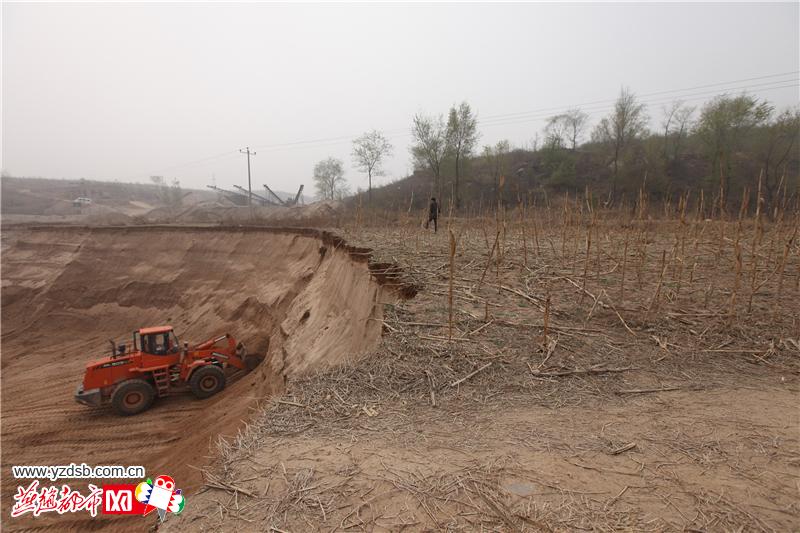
(302,297)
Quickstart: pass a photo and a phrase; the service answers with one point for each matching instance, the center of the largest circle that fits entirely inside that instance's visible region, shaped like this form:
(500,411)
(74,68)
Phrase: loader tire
(207,381)
(132,397)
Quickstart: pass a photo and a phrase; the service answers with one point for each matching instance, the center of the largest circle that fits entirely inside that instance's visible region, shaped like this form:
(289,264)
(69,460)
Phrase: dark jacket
(434,210)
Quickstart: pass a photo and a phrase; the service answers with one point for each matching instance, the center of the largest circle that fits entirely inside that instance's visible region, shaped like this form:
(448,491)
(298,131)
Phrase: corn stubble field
(562,368)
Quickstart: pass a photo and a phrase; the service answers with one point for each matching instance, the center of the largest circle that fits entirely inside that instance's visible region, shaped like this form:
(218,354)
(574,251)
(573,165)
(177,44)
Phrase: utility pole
(249,189)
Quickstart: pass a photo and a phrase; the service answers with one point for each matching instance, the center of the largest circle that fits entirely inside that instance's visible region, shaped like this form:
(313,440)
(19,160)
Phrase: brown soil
(671,407)
(467,464)
(303,296)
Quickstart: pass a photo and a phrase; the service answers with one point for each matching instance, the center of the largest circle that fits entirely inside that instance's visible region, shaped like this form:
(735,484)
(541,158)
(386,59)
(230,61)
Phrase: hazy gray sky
(124,91)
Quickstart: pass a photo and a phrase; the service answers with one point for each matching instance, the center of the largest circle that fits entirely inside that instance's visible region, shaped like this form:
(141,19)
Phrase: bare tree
(495,157)
(682,126)
(575,122)
(775,148)
(369,150)
(669,114)
(676,124)
(329,179)
(723,124)
(568,126)
(430,146)
(627,122)
(462,135)
(554,132)
(535,143)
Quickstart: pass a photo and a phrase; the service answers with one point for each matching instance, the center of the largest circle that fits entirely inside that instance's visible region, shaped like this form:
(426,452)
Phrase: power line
(230,152)
(190,163)
(294,143)
(780,75)
(644,96)
(606,108)
(531,118)
(531,115)
(611,103)
(514,117)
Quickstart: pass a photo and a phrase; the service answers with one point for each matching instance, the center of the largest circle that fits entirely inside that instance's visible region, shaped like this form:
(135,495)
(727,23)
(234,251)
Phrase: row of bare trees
(725,128)
(621,149)
(369,152)
(726,131)
(435,139)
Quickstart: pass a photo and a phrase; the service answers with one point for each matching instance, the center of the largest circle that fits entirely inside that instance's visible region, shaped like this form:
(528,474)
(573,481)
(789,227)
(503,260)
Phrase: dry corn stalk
(450,292)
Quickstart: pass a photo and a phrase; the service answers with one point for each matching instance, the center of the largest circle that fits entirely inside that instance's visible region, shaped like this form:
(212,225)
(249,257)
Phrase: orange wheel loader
(155,365)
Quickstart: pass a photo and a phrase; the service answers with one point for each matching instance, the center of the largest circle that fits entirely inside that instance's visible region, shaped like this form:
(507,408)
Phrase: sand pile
(66,207)
(23,201)
(202,212)
(316,214)
(111,218)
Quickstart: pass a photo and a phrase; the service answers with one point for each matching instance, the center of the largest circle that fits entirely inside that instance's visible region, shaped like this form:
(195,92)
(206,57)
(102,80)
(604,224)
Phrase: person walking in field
(433,215)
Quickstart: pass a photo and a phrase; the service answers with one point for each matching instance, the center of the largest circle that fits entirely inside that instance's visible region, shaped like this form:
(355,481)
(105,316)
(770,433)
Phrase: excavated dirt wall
(302,297)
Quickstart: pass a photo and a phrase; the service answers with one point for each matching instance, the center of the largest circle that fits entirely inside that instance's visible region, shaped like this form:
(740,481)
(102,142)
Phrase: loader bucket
(252,360)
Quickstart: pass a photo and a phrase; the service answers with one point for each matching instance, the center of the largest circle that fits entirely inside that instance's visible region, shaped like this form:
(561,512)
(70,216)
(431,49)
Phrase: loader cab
(156,341)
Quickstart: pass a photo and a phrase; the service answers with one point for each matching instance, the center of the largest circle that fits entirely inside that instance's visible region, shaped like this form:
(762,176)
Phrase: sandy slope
(300,296)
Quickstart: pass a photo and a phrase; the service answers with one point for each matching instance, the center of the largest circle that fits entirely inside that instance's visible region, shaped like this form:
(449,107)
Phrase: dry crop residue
(649,399)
